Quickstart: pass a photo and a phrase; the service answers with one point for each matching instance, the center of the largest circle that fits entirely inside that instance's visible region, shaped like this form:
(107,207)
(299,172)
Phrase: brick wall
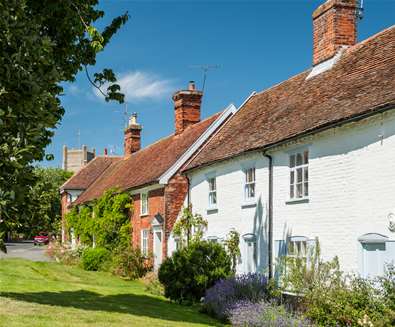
(175,194)
(334,26)
(155,205)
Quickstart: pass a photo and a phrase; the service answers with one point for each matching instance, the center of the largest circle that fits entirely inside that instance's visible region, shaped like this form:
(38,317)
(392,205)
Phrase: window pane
(306,174)
(250,175)
(306,157)
(213,197)
(144,203)
(299,159)
(291,191)
(299,192)
(212,184)
(292,177)
(299,175)
(306,189)
(292,161)
(252,191)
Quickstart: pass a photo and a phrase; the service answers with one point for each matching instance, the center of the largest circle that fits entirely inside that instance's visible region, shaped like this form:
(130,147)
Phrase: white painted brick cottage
(312,157)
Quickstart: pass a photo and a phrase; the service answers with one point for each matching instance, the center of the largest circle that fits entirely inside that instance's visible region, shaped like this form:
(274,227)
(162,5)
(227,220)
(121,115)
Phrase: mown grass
(50,294)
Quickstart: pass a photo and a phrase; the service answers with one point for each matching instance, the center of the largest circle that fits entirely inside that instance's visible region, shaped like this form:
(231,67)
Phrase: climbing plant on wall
(189,227)
(106,220)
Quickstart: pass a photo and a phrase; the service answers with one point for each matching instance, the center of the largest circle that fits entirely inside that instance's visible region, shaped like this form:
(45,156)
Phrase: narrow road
(25,250)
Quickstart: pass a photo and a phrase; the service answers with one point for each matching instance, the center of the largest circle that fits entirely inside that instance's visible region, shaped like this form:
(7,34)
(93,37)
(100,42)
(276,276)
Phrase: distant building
(75,159)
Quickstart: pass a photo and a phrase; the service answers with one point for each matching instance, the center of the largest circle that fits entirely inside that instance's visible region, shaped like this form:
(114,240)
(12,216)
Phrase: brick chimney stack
(132,140)
(187,105)
(334,27)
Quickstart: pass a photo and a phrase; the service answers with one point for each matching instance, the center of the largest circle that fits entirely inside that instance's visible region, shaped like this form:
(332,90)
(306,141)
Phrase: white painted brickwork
(351,192)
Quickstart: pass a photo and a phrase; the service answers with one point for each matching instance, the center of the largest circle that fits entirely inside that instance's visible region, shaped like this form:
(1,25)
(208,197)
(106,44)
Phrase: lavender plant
(258,314)
(220,298)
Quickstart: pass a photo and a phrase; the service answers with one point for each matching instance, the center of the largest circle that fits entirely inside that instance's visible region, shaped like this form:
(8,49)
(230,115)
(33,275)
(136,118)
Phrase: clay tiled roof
(89,173)
(147,165)
(361,82)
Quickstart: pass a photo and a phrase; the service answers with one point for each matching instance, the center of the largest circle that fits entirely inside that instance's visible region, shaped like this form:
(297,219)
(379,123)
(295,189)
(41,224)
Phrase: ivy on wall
(105,222)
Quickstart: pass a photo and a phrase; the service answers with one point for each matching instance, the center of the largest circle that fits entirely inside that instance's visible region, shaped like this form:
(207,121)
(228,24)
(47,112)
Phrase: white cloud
(138,86)
(73,90)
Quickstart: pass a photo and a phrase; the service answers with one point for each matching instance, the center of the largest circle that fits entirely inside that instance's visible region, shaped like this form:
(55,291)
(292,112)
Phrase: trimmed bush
(220,298)
(94,258)
(190,271)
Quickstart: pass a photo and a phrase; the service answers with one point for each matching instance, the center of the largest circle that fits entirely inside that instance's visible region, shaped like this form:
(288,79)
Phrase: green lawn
(50,294)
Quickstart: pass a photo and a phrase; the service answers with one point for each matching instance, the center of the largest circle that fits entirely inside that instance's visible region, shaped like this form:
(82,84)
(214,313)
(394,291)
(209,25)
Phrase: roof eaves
(321,128)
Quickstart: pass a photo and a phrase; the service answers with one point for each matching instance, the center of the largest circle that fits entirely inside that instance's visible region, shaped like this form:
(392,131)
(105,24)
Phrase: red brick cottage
(151,174)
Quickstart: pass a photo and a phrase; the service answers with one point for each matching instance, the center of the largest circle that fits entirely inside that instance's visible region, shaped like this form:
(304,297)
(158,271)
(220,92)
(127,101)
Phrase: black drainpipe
(270,217)
(188,202)
(189,191)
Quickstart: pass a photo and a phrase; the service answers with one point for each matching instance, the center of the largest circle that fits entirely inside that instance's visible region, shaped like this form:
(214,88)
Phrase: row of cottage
(310,158)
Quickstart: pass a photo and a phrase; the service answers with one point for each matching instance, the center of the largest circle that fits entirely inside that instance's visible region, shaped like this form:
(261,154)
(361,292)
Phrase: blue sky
(256,43)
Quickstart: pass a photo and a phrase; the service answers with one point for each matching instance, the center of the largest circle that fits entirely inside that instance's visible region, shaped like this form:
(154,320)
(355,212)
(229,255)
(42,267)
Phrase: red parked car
(42,238)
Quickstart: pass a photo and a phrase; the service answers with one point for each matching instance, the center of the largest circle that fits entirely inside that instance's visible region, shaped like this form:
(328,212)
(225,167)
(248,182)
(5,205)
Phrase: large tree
(42,44)
(42,208)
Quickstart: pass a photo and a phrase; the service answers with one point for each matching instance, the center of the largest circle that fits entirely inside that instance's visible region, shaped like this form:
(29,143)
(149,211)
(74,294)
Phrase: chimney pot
(334,27)
(191,86)
(105,152)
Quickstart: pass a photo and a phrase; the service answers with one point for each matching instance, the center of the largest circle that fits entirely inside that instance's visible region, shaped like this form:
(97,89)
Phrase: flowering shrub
(225,293)
(258,314)
(64,254)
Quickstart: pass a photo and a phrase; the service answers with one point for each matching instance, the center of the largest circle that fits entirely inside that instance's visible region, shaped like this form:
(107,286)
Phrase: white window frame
(294,169)
(144,207)
(249,184)
(145,242)
(212,193)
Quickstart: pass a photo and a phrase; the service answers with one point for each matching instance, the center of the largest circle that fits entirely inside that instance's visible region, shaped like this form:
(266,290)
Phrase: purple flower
(219,299)
(263,314)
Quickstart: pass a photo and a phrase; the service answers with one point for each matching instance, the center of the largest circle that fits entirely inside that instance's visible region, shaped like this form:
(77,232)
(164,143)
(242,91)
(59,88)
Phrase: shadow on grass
(139,305)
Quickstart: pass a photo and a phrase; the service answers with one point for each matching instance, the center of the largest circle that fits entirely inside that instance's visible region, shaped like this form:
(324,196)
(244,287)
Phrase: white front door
(157,248)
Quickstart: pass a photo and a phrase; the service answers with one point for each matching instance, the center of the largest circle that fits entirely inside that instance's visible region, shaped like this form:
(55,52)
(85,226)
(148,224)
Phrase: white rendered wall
(351,192)
(232,213)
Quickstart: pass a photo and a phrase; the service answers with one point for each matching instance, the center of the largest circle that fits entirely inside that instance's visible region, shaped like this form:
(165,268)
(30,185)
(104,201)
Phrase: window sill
(211,210)
(295,201)
(249,204)
(144,215)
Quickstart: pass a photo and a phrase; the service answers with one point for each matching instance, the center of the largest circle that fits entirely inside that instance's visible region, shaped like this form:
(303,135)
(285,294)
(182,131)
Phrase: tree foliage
(42,45)
(43,207)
